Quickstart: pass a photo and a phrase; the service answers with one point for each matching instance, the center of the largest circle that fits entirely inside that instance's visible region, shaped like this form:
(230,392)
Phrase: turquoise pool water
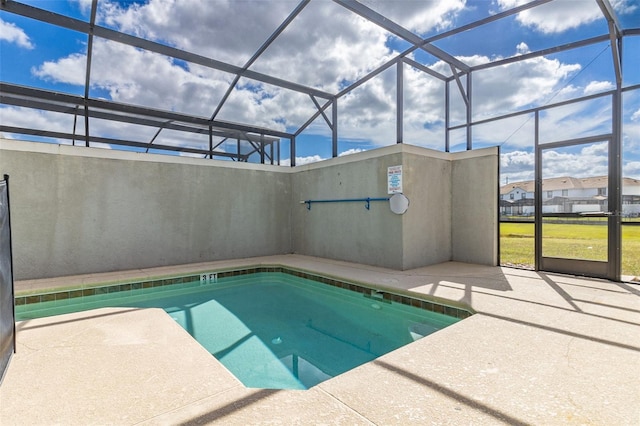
(274,330)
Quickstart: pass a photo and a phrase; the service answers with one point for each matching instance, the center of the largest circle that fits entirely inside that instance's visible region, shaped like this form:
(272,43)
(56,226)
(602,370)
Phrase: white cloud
(631,169)
(419,16)
(148,79)
(367,113)
(562,15)
(13,34)
(576,120)
(325,44)
(598,86)
(589,161)
(557,16)
(522,48)
(325,47)
(517,166)
(518,158)
(226,30)
(70,69)
(515,132)
(37,119)
(189,154)
(350,151)
(636,116)
(305,160)
(101,145)
(510,87)
(625,7)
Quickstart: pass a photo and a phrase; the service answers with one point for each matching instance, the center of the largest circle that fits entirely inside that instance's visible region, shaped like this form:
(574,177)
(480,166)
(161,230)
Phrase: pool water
(275,330)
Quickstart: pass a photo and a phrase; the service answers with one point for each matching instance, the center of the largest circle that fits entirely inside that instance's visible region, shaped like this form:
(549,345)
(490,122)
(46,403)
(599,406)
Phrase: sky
(328,47)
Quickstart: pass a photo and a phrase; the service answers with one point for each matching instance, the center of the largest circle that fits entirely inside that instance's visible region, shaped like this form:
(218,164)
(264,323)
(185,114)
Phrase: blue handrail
(367,201)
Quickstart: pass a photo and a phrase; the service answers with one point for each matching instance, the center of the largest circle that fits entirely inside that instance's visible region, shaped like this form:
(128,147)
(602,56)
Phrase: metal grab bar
(367,201)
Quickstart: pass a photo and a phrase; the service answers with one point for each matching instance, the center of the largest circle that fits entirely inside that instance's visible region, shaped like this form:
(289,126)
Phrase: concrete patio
(542,349)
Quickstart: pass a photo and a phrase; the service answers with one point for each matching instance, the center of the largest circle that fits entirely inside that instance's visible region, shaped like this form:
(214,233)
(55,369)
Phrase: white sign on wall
(394,180)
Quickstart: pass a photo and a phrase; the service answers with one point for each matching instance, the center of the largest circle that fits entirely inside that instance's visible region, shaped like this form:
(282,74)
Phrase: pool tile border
(375,294)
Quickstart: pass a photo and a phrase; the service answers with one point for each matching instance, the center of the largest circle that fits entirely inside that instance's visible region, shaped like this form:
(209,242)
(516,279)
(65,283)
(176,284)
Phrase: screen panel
(7,313)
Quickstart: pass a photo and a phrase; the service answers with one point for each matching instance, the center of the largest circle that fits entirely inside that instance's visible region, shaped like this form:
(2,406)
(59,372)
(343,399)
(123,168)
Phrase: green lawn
(567,240)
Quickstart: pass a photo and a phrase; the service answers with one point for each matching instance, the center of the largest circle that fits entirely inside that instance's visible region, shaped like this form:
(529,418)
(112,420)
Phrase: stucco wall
(427,222)
(80,210)
(474,206)
(348,231)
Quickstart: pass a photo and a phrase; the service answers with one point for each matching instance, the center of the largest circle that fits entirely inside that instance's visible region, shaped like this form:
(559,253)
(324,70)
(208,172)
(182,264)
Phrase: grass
(567,240)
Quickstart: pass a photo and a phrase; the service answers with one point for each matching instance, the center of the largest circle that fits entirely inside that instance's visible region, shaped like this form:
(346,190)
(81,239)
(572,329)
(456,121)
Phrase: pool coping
(374,291)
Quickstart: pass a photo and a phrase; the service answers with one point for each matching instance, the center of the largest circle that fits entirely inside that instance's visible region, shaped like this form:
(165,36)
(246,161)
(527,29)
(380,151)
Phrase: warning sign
(394,179)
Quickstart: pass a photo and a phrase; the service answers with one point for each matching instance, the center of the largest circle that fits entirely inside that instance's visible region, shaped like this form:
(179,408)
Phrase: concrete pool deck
(542,349)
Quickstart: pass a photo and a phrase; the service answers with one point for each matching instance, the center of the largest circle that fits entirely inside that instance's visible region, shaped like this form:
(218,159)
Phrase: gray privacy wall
(475,230)
(452,213)
(347,230)
(81,210)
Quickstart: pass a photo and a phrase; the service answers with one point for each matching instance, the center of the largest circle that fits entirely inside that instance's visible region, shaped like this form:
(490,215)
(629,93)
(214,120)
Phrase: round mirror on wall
(398,203)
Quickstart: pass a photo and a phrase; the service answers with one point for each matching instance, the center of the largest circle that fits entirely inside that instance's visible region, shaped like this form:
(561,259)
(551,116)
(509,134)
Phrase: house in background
(568,195)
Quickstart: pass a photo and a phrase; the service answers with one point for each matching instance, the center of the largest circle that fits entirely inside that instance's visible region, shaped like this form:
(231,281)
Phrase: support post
(469,113)
(614,202)
(87,81)
(210,142)
(537,227)
(446,117)
(399,101)
(334,129)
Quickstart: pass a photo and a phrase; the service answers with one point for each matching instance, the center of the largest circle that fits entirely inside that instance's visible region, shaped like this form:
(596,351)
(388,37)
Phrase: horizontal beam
(73,100)
(543,52)
(541,108)
(105,115)
(110,141)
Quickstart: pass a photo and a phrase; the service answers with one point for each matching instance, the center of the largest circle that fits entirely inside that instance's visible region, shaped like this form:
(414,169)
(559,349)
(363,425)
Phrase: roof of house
(566,182)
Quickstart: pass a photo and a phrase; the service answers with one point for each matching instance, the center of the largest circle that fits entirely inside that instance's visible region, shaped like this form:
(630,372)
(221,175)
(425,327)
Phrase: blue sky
(327,47)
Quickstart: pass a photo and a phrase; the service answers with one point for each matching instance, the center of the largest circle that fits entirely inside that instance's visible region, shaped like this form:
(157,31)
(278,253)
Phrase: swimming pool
(275,329)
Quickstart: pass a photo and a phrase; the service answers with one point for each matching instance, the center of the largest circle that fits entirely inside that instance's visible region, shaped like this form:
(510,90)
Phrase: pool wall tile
(62,295)
(387,297)
(50,297)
